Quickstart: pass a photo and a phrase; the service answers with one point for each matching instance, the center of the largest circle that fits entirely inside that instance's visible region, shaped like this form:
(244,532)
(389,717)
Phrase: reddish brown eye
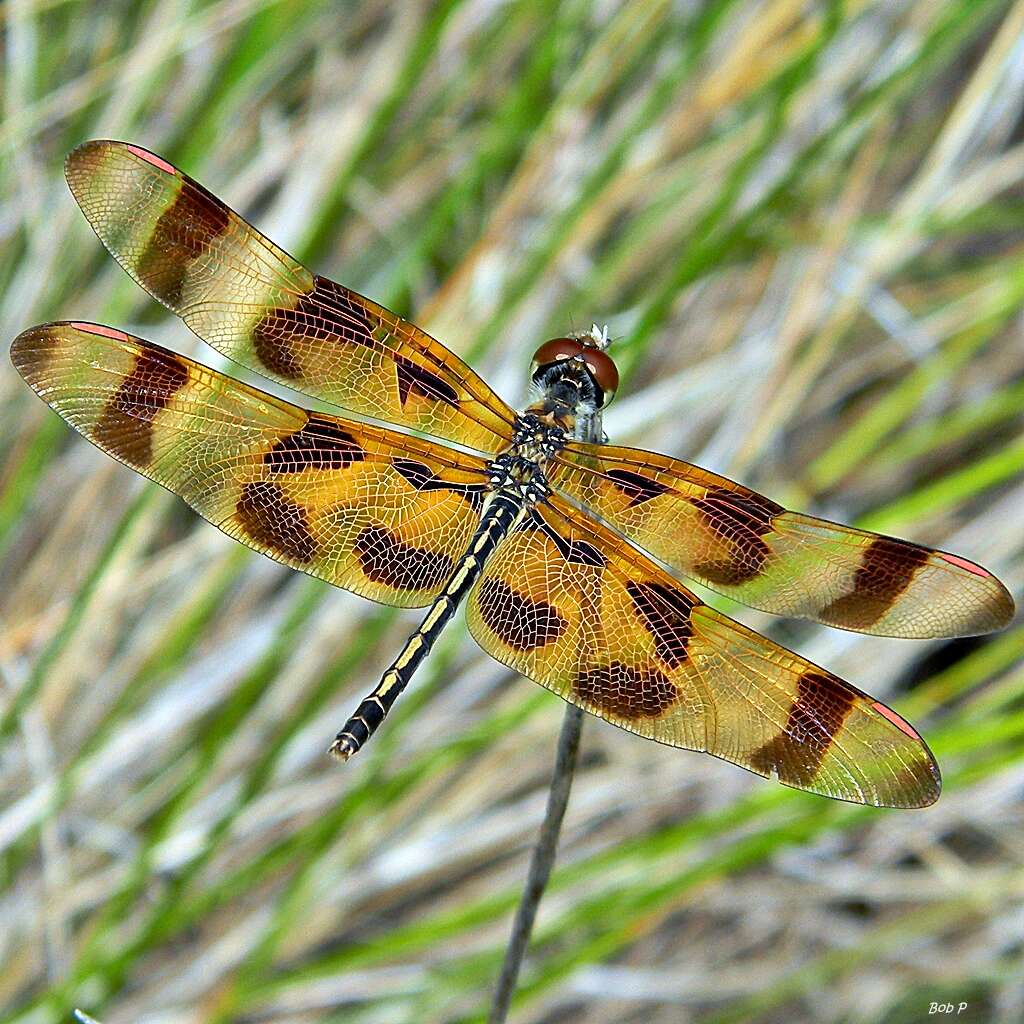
(600,366)
(603,370)
(557,349)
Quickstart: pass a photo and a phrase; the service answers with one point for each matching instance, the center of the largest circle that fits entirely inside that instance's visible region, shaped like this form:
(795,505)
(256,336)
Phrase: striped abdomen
(502,513)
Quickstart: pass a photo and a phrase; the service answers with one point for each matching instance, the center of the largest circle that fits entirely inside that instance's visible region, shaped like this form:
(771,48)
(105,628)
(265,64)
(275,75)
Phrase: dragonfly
(568,552)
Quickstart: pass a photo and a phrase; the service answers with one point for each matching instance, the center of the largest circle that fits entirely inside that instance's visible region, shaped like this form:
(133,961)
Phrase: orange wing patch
(564,603)
(257,305)
(746,546)
(377,512)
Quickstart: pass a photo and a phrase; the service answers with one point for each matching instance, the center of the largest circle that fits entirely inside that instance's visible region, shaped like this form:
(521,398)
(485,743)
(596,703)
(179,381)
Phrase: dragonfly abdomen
(502,513)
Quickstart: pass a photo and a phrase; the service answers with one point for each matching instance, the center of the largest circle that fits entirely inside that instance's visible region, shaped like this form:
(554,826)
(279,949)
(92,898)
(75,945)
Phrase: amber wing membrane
(260,307)
(372,510)
(744,545)
(564,603)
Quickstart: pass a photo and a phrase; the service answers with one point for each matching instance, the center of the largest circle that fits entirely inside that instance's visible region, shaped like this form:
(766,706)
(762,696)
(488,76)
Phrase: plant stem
(540,863)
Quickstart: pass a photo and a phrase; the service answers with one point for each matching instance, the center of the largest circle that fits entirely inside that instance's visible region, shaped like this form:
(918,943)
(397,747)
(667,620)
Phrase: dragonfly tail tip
(342,748)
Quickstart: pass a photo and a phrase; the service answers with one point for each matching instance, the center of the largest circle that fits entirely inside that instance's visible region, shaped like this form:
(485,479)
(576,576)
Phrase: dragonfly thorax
(520,468)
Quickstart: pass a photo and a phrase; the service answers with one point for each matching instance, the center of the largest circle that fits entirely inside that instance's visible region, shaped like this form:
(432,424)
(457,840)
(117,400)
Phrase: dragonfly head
(576,371)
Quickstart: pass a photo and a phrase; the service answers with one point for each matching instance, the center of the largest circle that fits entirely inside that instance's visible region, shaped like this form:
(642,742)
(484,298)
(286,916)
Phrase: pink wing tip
(151,158)
(900,724)
(962,563)
(100,329)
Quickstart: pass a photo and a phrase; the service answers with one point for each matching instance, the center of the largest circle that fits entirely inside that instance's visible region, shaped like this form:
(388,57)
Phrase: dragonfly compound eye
(604,371)
(557,350)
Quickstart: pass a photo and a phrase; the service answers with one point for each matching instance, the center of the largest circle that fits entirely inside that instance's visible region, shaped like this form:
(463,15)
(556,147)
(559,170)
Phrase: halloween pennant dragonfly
(555,543)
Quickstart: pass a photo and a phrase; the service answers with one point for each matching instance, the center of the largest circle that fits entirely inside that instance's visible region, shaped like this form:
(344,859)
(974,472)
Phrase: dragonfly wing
(257,305)
(744,545)
(565,603)
(365,508)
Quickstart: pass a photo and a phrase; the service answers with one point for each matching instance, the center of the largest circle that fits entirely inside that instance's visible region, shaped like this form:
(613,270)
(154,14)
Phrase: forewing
(565,603)
(745,546)
(256,304)
(365,508)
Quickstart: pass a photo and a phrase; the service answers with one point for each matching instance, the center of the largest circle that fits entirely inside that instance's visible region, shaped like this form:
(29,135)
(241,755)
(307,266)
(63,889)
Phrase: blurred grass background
(804,222)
